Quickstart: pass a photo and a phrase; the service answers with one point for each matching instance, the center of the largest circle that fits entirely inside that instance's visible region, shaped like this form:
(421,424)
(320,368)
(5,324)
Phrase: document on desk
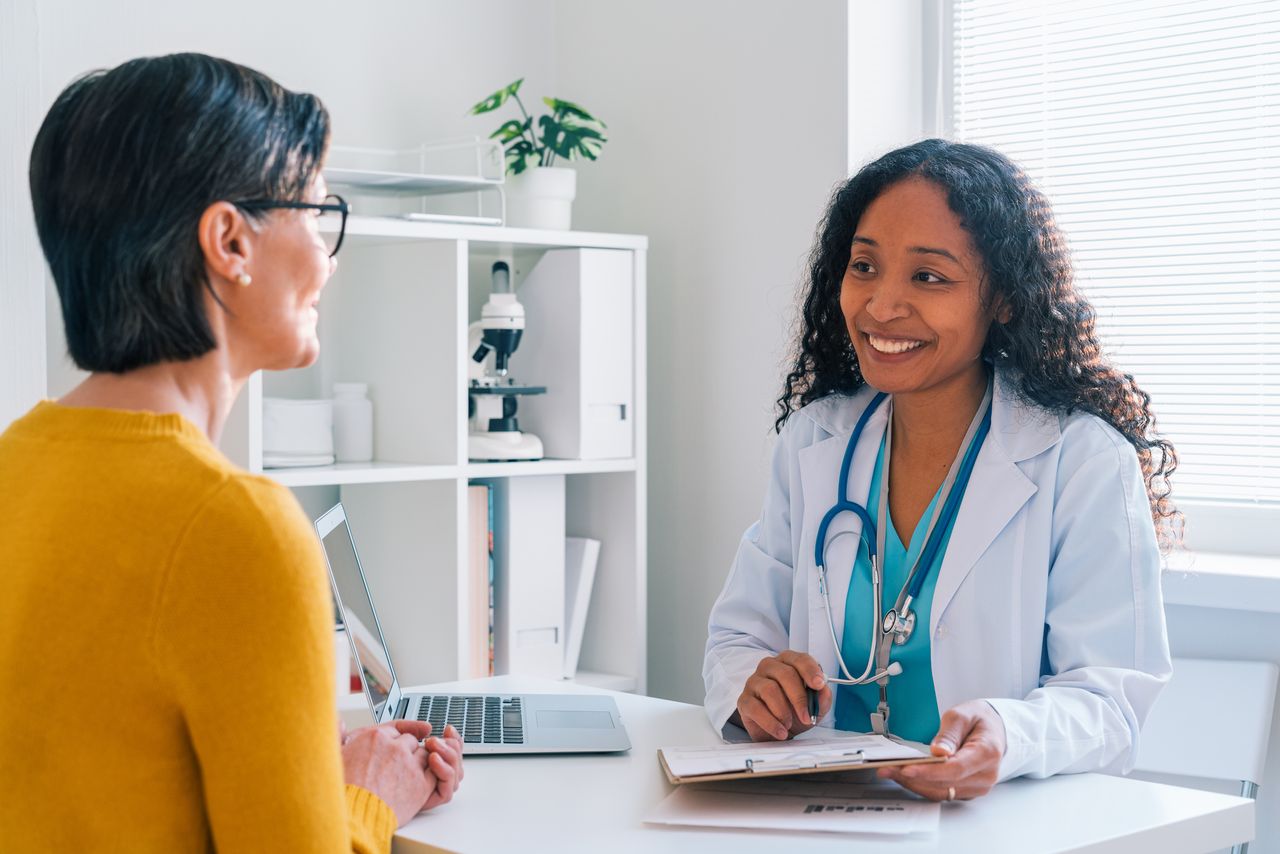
(797,804)
(814,749)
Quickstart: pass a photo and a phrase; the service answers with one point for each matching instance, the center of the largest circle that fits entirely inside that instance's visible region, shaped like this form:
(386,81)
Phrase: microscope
(494,429)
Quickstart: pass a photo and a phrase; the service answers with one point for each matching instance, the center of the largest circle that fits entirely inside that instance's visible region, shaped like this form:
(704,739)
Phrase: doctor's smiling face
(913,294)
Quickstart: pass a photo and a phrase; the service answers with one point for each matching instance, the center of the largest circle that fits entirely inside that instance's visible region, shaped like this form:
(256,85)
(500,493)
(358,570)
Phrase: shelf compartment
(340,474)
(375,230)
(408,537)
(606,507)
(535,467)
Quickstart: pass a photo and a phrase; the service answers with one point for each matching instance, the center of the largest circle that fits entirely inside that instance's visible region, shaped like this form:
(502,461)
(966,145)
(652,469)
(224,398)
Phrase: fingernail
(945,745)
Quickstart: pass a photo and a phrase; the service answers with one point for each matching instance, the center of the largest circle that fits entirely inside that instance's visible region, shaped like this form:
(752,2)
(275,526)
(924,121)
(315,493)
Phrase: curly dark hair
(1049,349)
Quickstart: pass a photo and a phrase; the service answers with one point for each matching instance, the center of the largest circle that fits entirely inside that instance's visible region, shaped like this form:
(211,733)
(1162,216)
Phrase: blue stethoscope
(897,625)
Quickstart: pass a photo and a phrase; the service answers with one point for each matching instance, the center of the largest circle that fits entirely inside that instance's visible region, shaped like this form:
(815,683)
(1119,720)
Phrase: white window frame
(1226,527)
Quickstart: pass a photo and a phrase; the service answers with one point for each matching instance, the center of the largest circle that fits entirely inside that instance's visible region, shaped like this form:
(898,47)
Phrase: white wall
(22,368)
(393,73)
(887,89)
(728,132)
(390,71)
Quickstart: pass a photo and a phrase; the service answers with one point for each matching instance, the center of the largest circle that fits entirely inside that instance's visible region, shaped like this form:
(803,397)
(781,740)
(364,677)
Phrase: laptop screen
(358,616)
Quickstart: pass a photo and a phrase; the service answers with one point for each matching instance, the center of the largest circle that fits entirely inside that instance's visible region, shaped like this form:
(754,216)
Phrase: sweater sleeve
(243,635)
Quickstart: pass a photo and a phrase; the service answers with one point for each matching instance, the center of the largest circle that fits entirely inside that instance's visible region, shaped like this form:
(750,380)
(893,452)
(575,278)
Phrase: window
(1152,126)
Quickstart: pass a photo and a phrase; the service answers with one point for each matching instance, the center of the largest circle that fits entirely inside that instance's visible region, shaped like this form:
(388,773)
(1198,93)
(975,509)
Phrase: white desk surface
(595,804)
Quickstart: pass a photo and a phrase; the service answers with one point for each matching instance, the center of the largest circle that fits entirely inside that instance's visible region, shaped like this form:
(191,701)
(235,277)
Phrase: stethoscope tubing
(878,646)
(845,504)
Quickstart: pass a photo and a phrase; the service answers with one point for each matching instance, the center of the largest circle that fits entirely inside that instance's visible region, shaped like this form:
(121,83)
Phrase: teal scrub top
(913,706)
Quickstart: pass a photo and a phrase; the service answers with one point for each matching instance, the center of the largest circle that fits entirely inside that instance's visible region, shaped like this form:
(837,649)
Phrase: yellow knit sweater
(166,646)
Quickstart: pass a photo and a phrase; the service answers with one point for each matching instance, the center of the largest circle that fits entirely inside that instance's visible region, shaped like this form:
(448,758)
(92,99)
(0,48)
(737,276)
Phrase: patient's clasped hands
(402,763)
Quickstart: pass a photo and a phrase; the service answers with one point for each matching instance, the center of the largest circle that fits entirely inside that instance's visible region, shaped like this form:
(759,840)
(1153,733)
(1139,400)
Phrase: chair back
(1212,720)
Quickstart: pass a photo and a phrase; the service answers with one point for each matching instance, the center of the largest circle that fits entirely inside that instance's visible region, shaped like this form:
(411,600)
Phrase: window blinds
(1152,127)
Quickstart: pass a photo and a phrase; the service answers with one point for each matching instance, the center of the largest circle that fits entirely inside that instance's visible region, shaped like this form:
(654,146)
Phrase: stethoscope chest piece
(900,625)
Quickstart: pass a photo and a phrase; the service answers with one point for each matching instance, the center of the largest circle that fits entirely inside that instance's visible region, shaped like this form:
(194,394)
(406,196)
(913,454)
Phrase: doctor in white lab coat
(938,270)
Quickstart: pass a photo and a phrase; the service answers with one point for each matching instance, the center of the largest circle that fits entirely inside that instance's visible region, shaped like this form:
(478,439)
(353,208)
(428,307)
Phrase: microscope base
(498,447)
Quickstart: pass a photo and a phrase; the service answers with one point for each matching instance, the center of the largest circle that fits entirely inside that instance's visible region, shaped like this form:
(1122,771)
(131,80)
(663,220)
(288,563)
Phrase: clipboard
(797,764)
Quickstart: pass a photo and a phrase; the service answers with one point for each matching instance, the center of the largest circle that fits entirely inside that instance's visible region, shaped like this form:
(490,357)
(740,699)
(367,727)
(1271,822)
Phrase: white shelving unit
(395,315)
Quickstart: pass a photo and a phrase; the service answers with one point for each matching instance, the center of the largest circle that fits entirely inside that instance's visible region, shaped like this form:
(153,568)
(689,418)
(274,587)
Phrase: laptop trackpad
(574,719)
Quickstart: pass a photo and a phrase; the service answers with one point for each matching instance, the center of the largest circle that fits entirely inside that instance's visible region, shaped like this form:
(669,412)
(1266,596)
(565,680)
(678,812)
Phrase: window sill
(1218,580)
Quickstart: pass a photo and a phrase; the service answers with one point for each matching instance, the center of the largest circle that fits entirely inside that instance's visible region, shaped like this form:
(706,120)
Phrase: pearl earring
(243,280)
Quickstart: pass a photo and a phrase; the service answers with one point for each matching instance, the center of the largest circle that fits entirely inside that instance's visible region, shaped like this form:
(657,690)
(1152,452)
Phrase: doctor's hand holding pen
(972,738)
(774,704)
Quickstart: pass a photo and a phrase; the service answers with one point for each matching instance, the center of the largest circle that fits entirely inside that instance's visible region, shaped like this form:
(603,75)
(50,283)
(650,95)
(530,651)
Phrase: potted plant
(539,193)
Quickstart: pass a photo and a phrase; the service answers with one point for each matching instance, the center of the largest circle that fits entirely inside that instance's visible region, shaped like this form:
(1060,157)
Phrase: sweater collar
(50,419)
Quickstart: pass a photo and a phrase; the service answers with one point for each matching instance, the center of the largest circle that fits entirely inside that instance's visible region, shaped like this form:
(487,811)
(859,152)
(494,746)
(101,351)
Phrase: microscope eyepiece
(501,274)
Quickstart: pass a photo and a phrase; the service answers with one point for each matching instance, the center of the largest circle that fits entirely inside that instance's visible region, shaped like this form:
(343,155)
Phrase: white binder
(580,325)
(580,559)
(528,584)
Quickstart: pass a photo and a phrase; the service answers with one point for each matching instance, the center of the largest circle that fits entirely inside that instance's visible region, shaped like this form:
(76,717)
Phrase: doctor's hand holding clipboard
(959,543)
(778,700)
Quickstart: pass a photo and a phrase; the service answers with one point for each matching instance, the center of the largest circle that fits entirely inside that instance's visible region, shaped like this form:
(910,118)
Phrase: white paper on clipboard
(808,750)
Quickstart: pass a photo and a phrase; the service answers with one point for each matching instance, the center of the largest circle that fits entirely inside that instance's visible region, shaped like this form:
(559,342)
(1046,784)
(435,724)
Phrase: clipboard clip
(797,762)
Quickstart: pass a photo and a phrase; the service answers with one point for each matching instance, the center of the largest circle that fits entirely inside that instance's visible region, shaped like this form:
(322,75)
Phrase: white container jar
(296,432)
(352,423)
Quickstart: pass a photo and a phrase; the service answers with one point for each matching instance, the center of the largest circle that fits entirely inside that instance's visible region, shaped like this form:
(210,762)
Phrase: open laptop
(488,723)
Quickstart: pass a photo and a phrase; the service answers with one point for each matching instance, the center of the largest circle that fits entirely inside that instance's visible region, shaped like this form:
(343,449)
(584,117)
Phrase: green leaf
(594,130)
(497,99)
(521,154)
(510,130)
(571,141)
(568,108)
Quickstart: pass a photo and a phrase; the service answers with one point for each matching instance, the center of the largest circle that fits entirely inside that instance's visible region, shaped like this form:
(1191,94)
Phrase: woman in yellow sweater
(165,618)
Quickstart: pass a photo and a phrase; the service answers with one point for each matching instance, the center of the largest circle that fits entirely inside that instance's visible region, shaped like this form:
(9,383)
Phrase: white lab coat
(1047,602)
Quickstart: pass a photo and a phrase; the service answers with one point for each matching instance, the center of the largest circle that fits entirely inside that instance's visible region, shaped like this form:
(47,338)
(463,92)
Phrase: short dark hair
(122,169)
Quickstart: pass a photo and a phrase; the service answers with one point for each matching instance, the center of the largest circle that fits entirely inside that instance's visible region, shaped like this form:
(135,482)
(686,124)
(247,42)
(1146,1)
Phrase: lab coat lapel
(997,491)
(819,477)
(997,487)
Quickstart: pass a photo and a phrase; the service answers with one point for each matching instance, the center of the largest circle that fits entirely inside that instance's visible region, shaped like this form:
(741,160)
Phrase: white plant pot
(541,197)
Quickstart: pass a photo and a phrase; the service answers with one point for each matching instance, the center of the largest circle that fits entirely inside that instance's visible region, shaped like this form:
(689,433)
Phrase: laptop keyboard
(479,720)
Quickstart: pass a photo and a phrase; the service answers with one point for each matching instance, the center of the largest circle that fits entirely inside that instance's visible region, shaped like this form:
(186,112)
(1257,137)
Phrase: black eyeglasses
(333,216)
